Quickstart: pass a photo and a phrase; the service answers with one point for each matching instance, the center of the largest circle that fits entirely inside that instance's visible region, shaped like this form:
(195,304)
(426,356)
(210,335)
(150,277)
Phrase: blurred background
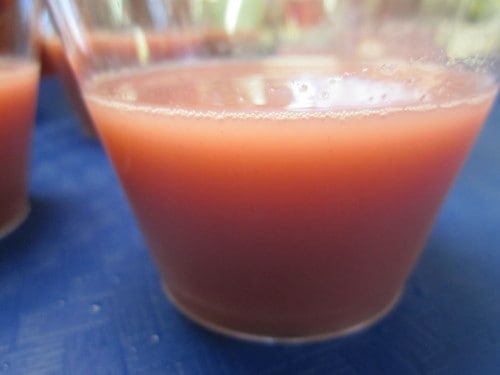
(71,304)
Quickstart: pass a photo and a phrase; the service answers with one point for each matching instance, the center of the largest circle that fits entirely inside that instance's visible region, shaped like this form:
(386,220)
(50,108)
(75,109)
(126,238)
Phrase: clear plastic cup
(287,159)
(55,63)
(19,73)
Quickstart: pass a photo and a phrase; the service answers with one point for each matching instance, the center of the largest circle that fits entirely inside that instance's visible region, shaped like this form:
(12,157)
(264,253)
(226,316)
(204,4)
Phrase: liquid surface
(288,87)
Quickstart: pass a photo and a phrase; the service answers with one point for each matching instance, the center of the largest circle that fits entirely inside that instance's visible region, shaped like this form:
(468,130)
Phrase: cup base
(216,328)
(11,225)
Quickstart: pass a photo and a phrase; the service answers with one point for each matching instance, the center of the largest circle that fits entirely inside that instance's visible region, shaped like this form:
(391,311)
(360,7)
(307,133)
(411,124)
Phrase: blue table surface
(80,295)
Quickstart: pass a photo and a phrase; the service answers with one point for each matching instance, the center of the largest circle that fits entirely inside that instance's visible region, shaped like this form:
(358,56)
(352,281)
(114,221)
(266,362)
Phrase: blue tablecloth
(80,295)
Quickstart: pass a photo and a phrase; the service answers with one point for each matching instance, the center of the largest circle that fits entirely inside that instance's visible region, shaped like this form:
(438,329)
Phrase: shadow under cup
(285,183)
(18,92)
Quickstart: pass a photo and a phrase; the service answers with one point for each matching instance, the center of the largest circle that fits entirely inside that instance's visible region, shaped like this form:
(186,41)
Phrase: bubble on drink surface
(303,87)
(334,80)
(388,68)
(324,95)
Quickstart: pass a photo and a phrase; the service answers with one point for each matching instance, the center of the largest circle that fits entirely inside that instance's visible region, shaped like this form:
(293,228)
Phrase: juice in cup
(18,91)
(284,204)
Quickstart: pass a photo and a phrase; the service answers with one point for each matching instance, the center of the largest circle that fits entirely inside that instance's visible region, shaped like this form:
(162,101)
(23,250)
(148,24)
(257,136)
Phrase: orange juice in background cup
(19,73)
(284,195)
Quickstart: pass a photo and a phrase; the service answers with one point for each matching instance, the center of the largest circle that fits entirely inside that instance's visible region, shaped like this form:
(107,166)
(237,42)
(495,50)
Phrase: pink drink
(282,203)
(18,90)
